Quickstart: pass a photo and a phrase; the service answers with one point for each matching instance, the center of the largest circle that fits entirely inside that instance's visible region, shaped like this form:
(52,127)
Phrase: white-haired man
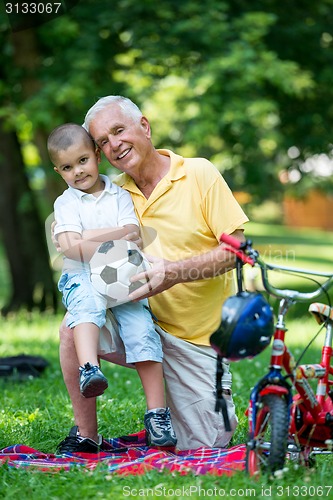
(183,205)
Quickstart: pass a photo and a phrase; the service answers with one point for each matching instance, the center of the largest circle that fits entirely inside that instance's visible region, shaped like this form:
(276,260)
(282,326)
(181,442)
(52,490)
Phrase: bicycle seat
(321,312)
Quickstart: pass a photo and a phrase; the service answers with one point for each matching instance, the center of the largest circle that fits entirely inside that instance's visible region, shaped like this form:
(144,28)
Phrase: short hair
(123,102)
(64,136)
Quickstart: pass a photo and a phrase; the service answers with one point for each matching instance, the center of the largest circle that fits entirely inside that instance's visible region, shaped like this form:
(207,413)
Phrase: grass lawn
(38,413)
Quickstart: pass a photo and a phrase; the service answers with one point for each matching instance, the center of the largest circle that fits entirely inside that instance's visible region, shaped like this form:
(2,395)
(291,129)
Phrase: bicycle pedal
(293,448)
(328,418)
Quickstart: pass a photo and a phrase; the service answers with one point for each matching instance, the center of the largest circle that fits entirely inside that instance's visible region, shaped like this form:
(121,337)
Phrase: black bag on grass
(22,366)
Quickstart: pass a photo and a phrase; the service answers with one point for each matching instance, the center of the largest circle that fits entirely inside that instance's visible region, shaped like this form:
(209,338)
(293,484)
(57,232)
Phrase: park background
(247,85)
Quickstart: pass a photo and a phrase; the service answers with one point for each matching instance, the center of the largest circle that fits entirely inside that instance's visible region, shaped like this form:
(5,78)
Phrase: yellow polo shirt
(183,217)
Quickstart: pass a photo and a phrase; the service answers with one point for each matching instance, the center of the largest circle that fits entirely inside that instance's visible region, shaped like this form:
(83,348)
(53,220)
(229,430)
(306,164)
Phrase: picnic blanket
(129,455)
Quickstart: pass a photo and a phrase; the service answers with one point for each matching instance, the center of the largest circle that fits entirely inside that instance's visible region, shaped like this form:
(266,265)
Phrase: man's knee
(198,424)
(65,333)
(223,436)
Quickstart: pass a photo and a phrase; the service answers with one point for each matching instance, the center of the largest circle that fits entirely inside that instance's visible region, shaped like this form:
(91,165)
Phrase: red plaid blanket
(137,458)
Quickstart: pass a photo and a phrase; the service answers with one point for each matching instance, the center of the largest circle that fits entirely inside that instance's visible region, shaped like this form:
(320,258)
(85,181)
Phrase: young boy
(94,207)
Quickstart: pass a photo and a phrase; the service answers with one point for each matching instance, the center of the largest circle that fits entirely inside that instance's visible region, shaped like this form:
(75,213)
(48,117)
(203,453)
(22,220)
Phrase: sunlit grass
(294,248)
(37,412)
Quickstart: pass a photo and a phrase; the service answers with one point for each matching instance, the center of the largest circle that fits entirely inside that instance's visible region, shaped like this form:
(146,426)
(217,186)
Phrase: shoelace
(88,368)
(69,444)
(162,422)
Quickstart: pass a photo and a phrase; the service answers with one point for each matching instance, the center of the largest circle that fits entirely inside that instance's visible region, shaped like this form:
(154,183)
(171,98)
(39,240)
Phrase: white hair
(123,102)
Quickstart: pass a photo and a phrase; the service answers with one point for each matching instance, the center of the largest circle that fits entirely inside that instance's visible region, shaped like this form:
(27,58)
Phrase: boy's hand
(54,239)
(135,238)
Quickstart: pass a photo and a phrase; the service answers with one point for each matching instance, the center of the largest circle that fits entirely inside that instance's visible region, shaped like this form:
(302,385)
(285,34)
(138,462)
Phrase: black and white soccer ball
(111,267)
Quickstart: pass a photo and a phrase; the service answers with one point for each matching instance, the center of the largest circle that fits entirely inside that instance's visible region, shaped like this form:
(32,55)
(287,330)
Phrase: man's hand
(165,273)
(159,278)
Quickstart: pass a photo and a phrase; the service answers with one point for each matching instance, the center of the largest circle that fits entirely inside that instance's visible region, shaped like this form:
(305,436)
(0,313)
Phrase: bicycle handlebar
(231,241)
(245,252)
(237,248)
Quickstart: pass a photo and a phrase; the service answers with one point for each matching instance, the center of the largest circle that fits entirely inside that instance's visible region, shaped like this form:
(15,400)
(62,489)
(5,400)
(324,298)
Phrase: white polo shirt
(76,211)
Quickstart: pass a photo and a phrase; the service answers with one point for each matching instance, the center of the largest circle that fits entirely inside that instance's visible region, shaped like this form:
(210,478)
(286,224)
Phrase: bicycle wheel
(266,450)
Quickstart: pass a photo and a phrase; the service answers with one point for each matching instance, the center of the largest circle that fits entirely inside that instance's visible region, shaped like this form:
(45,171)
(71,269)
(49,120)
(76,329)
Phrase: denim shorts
(136,327)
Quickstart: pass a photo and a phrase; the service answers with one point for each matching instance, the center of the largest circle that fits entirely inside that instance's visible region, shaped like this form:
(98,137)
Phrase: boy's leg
(86,339)
(157,419)
(143,347)
(190,375)
(137,330)
(85,415)
(86,316)
(151,375)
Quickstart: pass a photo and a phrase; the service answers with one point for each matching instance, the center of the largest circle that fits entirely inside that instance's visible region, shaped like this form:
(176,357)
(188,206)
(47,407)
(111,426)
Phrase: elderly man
(183,205)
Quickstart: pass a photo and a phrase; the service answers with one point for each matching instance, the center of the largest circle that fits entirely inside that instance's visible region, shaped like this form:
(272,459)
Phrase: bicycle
(285,415)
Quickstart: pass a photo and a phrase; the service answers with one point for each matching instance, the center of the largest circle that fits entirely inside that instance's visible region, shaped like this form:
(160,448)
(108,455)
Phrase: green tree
(247,81)
(238,82)
(22,232)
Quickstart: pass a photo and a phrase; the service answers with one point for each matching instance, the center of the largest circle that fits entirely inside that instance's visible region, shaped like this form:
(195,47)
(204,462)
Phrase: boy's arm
(110,233)
(82,248)
(130,232)
(74,247)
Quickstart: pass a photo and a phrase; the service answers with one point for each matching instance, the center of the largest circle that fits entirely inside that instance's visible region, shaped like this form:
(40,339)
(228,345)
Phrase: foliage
(313,173)
(245,84)
(237,82)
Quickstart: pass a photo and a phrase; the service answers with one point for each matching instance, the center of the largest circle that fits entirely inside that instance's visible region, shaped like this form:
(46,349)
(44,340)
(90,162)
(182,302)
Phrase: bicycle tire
(266,450)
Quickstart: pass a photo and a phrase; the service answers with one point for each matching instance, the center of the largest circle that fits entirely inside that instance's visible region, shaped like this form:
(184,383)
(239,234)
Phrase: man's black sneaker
(92,381)
(74,443)
(159,427)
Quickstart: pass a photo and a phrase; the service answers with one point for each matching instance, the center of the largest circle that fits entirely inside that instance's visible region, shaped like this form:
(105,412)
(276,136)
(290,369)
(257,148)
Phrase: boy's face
(78,166)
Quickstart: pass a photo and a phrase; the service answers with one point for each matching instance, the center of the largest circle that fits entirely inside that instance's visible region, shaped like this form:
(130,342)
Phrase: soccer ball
(111,267)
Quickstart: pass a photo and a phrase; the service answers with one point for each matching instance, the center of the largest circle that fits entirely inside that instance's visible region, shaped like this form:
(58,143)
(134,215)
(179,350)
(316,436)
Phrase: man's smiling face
(123,139)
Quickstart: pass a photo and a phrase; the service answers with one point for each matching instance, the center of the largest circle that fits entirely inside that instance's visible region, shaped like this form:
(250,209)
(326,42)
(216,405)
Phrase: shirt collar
(109,187)
(176,171)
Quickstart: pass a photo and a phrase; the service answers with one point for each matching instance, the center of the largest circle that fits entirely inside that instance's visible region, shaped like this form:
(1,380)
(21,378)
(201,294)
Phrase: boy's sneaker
(92,381)
(74,443)
(159,427)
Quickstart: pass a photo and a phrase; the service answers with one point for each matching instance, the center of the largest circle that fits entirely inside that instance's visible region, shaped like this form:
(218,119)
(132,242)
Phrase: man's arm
(165,274)
(77,247)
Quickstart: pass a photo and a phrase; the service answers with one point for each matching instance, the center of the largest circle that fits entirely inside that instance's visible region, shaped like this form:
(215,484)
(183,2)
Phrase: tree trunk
(23,233)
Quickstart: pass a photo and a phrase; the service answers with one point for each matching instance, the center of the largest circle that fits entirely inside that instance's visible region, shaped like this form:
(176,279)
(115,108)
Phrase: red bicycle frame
(310,413)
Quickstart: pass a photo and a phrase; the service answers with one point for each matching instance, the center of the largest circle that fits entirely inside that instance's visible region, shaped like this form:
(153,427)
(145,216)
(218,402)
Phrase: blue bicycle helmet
(246,327)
